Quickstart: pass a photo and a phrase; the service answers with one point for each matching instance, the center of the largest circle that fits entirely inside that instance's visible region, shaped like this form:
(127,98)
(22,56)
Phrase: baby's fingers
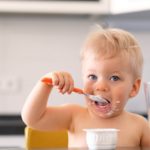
(55,78)
(69,84)
(63,81)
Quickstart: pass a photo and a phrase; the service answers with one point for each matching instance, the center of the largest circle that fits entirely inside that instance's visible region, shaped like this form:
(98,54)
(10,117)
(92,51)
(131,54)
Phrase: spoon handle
(49,81)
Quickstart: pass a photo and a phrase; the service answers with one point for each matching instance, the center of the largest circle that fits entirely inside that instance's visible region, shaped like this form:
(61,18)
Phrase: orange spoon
(80,91)
(49,82)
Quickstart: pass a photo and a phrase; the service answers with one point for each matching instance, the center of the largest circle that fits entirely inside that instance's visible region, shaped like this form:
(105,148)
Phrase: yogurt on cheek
(115,109)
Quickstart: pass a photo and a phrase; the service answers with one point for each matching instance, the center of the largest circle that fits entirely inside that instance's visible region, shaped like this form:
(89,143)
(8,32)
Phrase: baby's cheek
(121,98)
(88,88)
(122,101)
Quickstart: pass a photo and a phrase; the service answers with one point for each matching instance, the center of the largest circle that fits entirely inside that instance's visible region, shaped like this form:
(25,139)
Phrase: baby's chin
(107,115)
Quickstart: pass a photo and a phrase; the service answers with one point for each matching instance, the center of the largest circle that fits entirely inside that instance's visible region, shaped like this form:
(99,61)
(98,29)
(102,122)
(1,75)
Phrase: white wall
(32,45)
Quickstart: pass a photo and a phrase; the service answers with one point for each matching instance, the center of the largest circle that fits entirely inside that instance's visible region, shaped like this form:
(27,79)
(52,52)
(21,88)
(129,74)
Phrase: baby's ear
(135,88)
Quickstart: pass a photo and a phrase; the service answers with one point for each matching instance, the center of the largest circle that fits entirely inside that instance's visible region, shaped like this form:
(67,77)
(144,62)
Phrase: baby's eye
(114,78)
(92,77)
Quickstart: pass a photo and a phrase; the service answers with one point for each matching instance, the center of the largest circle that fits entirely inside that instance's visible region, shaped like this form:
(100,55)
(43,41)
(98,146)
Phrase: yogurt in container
(101,138)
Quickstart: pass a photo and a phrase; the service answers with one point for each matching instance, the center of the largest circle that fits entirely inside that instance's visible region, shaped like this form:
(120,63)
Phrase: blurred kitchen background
(37,37)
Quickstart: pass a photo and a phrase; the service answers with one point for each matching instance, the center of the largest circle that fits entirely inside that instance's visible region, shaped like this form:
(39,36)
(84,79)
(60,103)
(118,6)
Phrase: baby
(112,68)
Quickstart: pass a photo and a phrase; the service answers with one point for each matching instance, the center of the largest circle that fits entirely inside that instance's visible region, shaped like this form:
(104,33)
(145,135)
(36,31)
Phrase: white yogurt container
(101,138)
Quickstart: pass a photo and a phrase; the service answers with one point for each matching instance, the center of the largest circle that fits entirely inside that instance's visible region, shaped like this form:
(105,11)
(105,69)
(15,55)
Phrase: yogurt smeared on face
(104,109)
(114,109)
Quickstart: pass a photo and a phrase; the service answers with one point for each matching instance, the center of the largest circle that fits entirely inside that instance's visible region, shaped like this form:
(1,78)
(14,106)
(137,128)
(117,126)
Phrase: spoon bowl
(97,99)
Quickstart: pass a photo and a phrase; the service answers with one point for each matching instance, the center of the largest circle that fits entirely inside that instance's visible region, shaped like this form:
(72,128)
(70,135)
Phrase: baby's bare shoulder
(138,119)
(77,112)
(141,126)
(136,116)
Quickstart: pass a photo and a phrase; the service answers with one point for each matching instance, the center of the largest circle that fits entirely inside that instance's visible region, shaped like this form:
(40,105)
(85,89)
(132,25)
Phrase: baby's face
(110,78)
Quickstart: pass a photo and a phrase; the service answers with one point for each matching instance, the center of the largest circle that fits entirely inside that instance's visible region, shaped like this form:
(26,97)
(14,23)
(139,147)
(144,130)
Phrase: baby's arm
(37,114)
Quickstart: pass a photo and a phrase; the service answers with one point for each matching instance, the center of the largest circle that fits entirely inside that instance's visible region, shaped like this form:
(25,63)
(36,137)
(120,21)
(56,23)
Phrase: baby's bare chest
(128,135)
(125,139)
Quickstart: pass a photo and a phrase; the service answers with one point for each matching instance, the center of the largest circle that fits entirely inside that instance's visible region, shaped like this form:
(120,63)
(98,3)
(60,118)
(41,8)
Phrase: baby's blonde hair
(112,42)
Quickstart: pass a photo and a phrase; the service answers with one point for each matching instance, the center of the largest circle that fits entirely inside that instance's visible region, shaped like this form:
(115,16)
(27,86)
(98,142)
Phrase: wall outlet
(10,85)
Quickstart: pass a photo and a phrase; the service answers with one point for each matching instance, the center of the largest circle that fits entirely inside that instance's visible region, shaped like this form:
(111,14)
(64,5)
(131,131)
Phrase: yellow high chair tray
(41,139)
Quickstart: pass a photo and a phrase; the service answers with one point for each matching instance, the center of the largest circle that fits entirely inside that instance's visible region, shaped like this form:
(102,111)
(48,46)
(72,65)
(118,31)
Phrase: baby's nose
(101,85)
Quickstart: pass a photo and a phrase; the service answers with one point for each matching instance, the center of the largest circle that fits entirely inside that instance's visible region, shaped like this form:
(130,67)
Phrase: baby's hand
(63,81)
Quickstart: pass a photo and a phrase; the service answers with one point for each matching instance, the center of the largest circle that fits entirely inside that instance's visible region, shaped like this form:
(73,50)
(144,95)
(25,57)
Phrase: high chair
(42,139)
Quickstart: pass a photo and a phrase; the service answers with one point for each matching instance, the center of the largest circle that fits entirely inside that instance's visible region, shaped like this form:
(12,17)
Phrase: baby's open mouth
(102,104)
(100,107)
